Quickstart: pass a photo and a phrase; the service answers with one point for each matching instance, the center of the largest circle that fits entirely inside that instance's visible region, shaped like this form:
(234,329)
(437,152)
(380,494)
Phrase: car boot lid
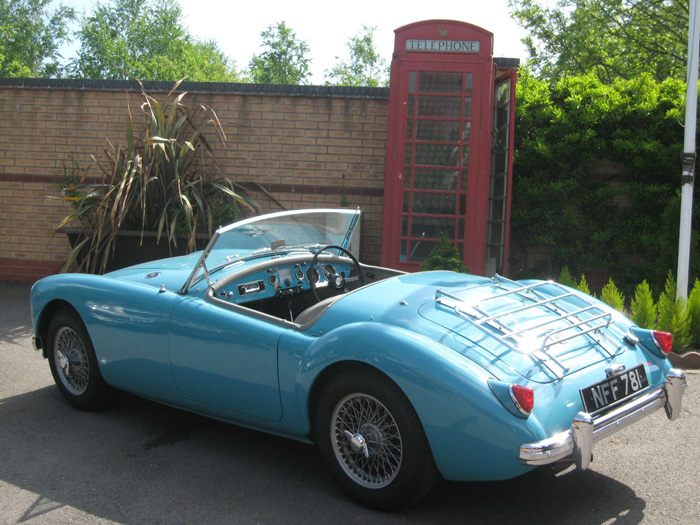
(540,329)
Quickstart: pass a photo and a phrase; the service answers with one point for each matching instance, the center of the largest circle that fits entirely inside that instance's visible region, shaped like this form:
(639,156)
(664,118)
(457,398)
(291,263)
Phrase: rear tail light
(663,340)
(523,398)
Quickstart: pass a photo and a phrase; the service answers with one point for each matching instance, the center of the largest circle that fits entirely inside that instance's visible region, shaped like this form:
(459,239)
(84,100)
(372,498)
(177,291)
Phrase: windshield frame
(201,263)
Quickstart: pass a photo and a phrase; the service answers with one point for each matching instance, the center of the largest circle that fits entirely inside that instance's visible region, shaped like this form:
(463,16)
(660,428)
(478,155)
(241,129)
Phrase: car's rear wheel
(74,364)
(371,439)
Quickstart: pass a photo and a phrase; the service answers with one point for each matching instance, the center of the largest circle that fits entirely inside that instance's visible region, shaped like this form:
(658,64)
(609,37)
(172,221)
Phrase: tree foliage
(609,38)
(621,217)
(365,68)
(284,59)
(146,39)
(31,34)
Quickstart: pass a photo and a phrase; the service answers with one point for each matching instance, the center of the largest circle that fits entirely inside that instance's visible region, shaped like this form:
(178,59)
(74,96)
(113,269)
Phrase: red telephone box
(449,147)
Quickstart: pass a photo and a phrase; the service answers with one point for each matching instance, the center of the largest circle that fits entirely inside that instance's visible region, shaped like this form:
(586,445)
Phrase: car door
(224,363)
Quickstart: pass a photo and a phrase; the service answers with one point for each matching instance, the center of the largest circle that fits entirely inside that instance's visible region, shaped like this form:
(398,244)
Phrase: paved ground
(143,463)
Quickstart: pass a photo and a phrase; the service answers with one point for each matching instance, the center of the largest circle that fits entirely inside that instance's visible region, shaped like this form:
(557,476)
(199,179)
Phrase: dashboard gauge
(299,273)
(328,270)
(312,275)
(272,279)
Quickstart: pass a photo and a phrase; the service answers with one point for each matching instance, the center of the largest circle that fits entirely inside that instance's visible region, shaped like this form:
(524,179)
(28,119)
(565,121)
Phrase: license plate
(610,391)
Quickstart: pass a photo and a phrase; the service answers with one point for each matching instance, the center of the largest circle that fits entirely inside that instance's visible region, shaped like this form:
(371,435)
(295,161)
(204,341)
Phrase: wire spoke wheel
(71,361)
(366,440)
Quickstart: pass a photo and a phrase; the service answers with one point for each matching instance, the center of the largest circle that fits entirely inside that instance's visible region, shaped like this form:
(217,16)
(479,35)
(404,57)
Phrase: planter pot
(130,248)
(686,361)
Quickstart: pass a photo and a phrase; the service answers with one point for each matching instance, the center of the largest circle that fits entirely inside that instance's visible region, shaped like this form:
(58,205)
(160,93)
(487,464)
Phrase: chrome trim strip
(577,442)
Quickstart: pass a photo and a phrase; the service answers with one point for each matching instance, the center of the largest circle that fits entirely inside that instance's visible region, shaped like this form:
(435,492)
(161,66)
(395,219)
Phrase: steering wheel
(335,280)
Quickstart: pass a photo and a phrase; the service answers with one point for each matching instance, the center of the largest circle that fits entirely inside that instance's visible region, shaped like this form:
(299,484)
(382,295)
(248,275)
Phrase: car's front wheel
(371,439)
(74,364)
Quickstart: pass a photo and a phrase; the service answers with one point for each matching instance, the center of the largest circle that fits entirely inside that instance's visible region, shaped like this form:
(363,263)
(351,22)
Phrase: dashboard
(282,278)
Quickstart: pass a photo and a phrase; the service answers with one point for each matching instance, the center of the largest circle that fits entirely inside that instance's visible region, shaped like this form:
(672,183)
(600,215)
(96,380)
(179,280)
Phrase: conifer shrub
(583,286)
(566,278)
(694,313)
(673,316)
(445,256)
(611,296)
(643,310)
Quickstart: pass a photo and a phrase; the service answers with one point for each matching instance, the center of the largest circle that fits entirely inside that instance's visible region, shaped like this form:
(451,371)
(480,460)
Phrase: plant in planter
(163,181)
(445,256)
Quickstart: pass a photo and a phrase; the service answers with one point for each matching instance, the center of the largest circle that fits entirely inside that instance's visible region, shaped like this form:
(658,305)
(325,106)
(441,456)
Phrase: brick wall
(306,145)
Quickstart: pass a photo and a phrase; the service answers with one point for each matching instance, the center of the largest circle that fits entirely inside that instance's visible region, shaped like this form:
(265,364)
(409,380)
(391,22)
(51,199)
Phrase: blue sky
(326,26)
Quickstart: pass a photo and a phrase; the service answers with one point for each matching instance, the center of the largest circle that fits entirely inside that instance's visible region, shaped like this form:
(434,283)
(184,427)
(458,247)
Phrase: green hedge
(625,225)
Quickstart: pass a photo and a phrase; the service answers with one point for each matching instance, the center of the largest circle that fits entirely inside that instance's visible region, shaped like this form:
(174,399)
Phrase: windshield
(276,232)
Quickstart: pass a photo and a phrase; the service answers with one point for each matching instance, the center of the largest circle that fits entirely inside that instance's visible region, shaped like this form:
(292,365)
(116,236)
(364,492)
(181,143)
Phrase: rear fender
(471,434)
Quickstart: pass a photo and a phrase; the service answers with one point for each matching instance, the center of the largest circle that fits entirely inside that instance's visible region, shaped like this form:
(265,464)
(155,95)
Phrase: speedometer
(312,275)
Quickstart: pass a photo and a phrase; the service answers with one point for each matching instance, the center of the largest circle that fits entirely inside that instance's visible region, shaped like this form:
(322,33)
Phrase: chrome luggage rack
(588,318)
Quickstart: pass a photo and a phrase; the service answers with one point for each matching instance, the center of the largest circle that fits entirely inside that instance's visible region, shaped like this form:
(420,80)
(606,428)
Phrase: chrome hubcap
(366,441)
(71,361)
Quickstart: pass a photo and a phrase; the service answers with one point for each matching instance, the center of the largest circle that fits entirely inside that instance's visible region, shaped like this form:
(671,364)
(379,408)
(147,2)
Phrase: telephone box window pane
(462,204)
(499,164)
(463,181)
(498,210)
(465,155)
(420,250)
(404,227)
(440,82)
(427,179)
(496,233)
(498,187)
(466,132)
(444,107)
(411,81)
(407,178)
(410,104)
(503,93)
(460,233)
(434,203)
(438,130)
(406,201)
(404,250)
(432,227)
(501,117)
(409,129)
(436,155)
(468,107)
(409,154)
(501,139)
(468,82)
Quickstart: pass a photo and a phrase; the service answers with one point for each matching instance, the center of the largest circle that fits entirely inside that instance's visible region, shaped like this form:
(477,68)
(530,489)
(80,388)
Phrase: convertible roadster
(397,378)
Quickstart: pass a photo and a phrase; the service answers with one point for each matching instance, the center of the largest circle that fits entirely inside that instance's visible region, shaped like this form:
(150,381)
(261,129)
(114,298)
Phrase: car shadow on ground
(140,462)
(15,318)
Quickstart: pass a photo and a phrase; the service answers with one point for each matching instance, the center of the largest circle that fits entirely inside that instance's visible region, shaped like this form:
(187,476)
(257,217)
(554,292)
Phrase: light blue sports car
(398,378)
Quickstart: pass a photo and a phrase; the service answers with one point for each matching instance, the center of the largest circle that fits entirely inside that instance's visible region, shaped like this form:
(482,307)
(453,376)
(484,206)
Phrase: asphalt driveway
(139,462)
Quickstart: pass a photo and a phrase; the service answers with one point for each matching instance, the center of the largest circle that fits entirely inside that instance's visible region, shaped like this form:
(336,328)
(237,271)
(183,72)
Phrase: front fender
(471,434)
(127,322)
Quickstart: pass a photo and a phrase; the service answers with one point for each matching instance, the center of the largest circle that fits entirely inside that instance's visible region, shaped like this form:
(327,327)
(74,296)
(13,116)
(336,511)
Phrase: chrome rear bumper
(577,442)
